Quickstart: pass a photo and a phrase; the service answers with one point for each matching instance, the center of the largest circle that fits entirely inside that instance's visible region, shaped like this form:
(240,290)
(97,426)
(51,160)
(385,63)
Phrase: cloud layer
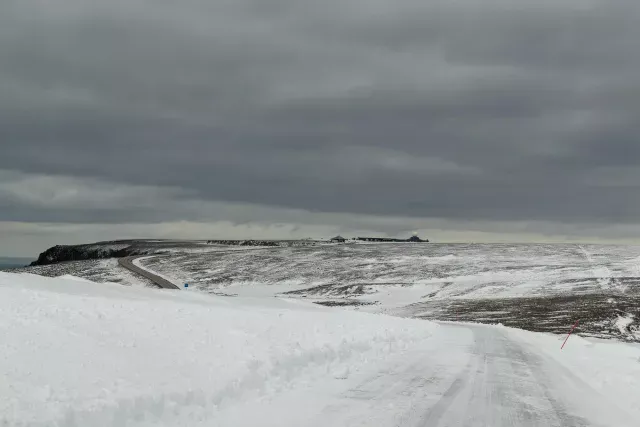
(151,111)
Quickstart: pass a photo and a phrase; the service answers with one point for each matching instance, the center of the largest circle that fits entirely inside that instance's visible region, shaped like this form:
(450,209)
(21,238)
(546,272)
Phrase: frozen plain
(542,288)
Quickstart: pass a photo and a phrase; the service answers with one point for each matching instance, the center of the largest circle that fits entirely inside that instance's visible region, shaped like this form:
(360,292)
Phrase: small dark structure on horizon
(339,239)
(412,239)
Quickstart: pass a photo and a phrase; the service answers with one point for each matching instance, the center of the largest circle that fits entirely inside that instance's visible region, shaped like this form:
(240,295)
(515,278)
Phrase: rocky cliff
(61,253)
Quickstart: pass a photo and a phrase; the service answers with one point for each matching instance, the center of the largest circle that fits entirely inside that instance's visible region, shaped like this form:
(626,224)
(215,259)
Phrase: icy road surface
(76,353)
(502,381)
(509,383)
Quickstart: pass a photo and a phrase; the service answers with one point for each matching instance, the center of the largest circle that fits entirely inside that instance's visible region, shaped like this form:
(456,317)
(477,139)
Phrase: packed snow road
(507,383)
(504,382)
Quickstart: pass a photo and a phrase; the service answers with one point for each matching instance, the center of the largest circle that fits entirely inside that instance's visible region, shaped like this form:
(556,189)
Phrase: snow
(393,297)
(609,367)
(392,274)
(77,353)
(623,323)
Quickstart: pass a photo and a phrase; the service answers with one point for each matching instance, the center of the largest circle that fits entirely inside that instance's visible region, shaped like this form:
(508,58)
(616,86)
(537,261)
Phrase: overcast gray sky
(493,120)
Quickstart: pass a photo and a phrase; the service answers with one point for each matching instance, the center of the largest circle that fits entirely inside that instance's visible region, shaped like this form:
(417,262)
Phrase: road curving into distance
(127,262)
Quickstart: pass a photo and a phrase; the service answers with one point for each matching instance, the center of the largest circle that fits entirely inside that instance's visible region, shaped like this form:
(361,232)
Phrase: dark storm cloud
(504,111)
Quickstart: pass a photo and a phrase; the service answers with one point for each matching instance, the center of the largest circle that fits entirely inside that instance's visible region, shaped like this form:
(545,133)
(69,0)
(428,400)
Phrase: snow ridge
(77,353)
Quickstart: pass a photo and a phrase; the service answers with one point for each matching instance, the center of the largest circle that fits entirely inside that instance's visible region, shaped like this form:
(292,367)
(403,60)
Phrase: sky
(465,120)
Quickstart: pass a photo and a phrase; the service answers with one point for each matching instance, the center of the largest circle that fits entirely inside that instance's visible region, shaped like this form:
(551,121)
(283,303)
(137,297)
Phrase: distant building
(339,239)
(412,239)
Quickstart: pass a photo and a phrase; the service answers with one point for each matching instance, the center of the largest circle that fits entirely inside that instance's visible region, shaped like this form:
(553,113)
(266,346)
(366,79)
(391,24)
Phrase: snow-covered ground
(389,275)
(535,287)
(97,270)
(439,271)
(78,353)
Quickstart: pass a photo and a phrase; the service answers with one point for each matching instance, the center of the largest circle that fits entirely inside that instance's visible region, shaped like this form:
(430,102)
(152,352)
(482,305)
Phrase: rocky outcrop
(61,253)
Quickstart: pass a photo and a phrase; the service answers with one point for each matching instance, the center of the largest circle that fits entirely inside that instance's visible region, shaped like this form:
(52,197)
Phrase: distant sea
(6,262)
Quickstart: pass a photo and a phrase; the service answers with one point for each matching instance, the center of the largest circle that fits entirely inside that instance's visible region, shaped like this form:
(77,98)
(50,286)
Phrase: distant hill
(125,248)
(99,250)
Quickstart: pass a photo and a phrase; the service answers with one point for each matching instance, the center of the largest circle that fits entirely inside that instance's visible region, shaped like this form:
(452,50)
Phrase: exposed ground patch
(599,314)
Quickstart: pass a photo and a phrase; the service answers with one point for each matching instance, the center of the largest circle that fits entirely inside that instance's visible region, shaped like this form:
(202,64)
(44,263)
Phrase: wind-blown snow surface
(96,270)
(400,274)
(543,288)
(389,275)
(76,353)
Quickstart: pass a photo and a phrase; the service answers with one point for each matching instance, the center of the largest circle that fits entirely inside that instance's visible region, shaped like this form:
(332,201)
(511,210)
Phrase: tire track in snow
(499,387)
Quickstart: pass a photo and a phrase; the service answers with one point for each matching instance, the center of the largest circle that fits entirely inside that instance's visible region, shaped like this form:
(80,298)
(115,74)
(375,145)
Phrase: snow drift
(77,353)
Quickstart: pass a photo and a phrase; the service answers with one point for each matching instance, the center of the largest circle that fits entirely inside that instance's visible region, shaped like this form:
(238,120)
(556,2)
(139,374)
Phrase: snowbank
(609,367)
(77,353)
